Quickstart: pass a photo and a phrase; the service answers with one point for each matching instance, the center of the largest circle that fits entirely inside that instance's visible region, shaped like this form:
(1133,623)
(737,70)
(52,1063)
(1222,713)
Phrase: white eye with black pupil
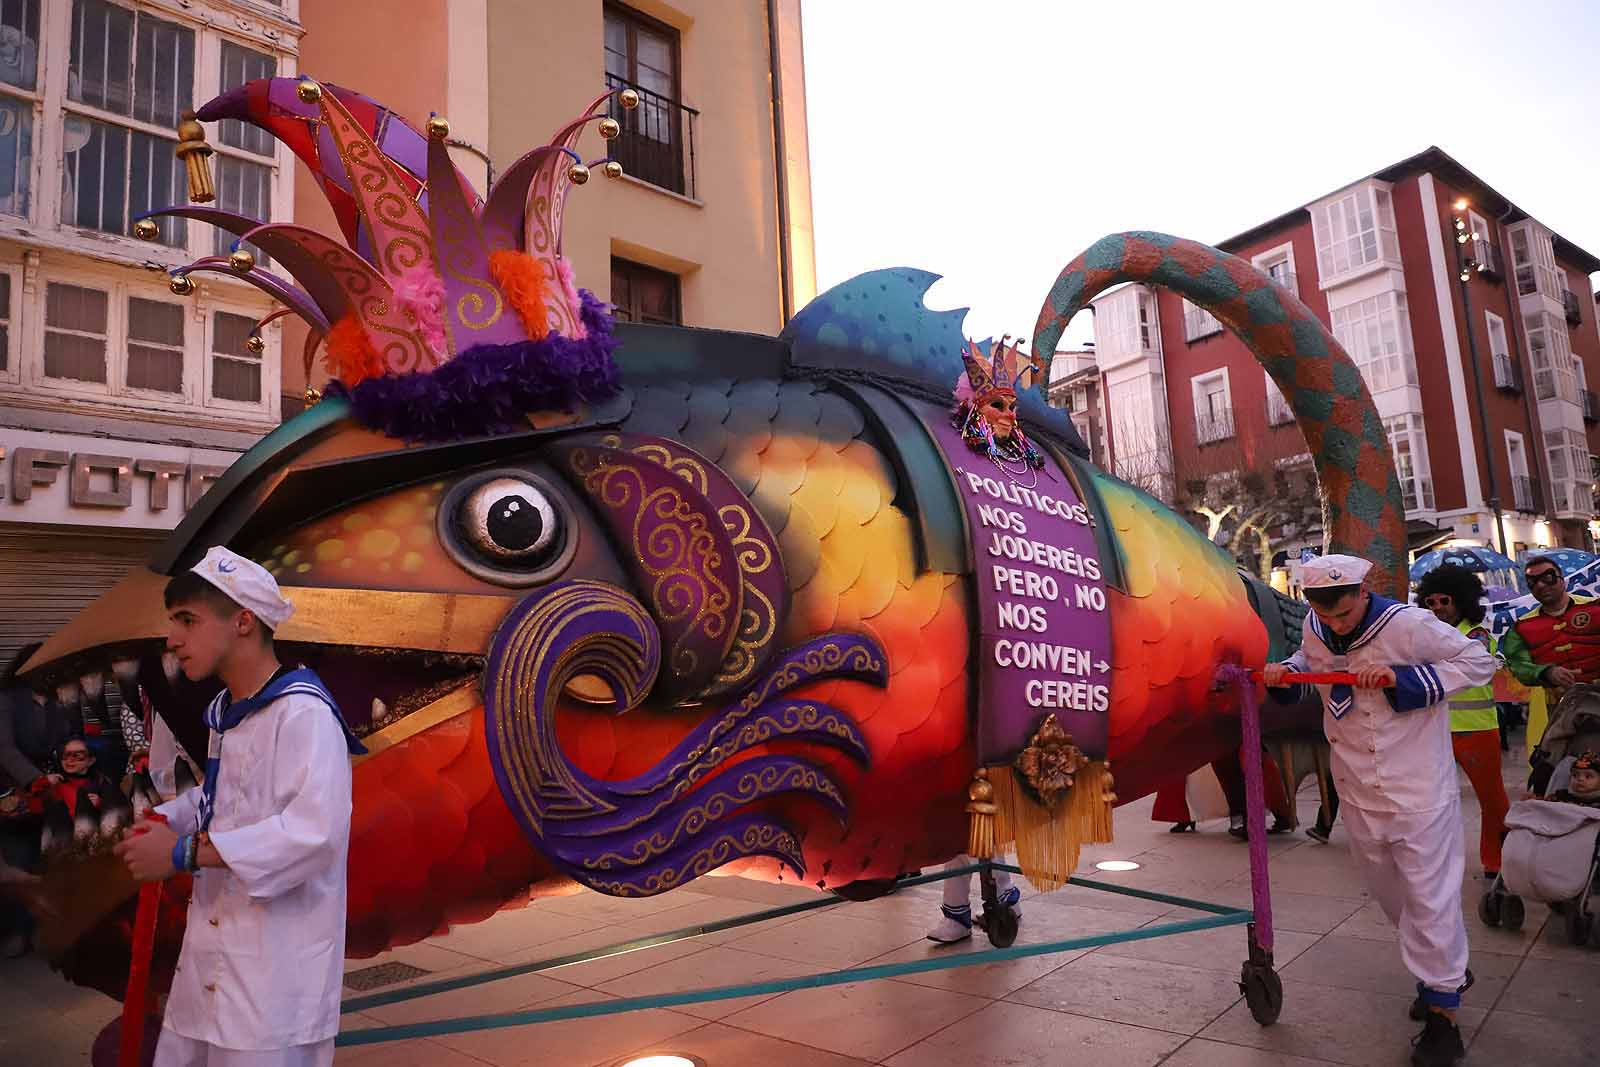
(510,521)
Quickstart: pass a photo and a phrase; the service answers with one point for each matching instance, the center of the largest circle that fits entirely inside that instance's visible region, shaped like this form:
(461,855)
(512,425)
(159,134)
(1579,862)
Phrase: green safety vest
(1473,709)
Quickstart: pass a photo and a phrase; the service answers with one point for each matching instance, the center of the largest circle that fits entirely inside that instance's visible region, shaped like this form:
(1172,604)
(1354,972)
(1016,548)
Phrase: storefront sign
(69,479)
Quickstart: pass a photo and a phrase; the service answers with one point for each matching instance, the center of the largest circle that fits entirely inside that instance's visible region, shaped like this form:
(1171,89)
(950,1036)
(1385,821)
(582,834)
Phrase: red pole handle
(1313,678)
(134,1002)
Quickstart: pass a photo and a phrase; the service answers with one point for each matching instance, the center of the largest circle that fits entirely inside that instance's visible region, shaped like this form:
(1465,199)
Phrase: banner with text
(1044,635)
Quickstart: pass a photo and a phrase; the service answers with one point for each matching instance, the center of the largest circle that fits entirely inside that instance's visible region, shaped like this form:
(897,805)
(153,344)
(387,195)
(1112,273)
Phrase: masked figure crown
(1003,368)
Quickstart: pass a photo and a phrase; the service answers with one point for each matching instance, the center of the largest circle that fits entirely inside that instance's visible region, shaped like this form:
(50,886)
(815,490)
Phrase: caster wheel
(1001,926)
(1489,909)
(1580,926)
(1512,913)
(1263,992)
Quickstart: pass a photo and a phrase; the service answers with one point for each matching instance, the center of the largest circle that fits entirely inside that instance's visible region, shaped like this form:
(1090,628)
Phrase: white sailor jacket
(263,953)
(1391,747)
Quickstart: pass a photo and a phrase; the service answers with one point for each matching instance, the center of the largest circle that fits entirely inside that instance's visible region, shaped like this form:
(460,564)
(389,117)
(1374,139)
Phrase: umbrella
(1568,559)
(1472,557)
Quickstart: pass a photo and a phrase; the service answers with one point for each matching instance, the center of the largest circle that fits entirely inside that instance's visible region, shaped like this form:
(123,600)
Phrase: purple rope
(1254,800)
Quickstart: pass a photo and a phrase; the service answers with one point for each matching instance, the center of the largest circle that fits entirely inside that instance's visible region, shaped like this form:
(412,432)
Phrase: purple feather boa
(491,389)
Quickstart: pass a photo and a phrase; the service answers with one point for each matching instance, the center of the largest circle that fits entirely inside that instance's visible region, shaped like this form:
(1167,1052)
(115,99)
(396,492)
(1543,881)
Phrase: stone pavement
(1170,1001)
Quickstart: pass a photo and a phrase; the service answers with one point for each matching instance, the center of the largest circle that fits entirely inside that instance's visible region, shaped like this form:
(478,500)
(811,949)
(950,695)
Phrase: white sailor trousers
(175,1050)
(1413,863)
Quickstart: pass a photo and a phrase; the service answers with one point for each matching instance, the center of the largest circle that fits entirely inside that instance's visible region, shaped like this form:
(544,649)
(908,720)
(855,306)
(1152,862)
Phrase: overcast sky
(993,140)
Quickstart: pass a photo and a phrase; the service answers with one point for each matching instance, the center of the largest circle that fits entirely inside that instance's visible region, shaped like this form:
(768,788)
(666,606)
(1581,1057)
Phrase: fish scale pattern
(804,457)
(1363,509)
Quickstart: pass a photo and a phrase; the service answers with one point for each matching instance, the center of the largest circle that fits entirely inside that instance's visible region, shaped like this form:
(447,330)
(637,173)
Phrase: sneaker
(1419,1010)
(1012,898)
(1236,826)
(954,925)
(1319,833)
(1181,828)
(1280,826)
(1439,1044)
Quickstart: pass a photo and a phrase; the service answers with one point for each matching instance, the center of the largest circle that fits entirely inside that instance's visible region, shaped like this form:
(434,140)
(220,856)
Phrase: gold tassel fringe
(1048,842)
(981,843)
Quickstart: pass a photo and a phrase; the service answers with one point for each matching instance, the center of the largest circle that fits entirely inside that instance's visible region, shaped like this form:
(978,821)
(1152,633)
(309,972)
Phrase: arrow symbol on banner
(1102,666)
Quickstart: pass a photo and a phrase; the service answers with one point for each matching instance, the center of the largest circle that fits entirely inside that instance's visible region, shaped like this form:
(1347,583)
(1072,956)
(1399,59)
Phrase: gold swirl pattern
(400,235)
(708,756)
(462,249)
(672,543)
(760,837)
(541,782)
(543,239)
(750,787)
(829,658)
(370,297)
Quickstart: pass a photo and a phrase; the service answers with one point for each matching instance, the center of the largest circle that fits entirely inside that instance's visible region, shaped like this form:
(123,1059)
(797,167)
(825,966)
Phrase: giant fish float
(623,606)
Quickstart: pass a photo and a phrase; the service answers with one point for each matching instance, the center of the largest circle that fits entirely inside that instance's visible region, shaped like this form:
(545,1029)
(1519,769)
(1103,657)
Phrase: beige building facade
(704,228)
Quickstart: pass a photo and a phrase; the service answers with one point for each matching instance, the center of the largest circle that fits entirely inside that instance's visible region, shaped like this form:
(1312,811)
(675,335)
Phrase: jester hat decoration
(441,314)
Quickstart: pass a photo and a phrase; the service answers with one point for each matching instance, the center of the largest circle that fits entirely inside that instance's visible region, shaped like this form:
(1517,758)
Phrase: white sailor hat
(247,584)
(1325,572)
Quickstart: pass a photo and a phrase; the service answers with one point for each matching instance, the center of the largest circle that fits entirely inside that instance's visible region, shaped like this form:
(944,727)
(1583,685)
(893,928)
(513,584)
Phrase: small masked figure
(986,407)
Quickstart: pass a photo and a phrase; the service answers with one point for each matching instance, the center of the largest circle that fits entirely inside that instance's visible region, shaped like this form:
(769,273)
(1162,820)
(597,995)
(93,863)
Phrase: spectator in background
(33,728)
(1455,596)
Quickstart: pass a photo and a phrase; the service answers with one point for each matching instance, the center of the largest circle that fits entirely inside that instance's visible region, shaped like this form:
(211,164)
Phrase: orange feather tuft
(522,279)
(350,356)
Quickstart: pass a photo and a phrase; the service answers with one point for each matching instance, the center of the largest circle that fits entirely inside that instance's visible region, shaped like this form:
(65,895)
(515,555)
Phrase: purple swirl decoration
(690,813)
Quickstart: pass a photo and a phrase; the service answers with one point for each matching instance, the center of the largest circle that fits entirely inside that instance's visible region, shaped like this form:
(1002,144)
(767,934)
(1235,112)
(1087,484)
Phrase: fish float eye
(507,527)
(509,519)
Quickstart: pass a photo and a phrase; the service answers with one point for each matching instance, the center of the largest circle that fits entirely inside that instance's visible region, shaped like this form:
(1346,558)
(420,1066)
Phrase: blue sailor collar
(223,716)
(1380,612)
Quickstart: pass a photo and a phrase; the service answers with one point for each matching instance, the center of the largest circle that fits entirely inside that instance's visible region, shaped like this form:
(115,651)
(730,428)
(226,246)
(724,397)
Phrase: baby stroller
(1552,850)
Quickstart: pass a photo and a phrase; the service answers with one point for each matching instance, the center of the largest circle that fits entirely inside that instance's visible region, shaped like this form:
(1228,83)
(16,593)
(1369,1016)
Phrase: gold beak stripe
(435,622)
(456,702)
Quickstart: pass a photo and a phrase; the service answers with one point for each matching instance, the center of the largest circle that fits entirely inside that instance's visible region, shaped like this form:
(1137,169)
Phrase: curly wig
(1460,584)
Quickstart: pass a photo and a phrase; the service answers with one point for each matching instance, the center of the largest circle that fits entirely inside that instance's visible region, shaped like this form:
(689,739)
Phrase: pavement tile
(1339,1025)
(834,939)
(582,1042)
(719,965)
(1219,949)
(1556,989)
(721,1045)
(1512,1038)
(1354,963)
(871,1020)
(1017,1035)
(1202,1053)
(1163,996)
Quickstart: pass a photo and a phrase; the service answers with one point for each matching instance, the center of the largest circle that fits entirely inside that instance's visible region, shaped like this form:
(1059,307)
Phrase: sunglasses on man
(1544,577)
(1438,600)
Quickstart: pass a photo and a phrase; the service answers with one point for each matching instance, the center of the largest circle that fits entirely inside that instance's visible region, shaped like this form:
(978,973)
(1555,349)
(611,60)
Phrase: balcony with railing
(1524,494)
(1487,260)
(1213,427)
(1507,375)
(1591,406)
(656,144)
(1569,301)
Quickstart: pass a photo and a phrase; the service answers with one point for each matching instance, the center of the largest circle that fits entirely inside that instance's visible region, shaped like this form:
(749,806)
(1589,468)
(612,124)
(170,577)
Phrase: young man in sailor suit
(1395,772)
(266,836)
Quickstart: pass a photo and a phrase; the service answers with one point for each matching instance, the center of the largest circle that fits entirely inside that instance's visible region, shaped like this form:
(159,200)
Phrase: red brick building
(1473,324)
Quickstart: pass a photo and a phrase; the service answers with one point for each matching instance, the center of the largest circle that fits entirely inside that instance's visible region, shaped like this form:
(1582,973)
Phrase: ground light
(664,1059)
(1116,865)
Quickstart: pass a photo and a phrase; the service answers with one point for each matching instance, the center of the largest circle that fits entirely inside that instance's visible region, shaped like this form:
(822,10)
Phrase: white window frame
(1491,324)
(269,396)
(1411,426)
(1382,370)
(1548,333)
(245,24)
(1372,196)
(1518,457)
(1199,388)
(12,374)
(1279,413)
(1198,322)
(1284,253)
(195,400)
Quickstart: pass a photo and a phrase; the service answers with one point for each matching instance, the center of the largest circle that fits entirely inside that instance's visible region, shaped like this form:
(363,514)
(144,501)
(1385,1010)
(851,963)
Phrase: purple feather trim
(490,389)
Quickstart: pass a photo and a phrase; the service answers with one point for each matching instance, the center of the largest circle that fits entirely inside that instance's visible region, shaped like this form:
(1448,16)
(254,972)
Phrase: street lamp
(1465,267)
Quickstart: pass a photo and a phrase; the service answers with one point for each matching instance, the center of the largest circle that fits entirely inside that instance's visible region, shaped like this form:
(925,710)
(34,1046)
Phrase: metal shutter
(47,578)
